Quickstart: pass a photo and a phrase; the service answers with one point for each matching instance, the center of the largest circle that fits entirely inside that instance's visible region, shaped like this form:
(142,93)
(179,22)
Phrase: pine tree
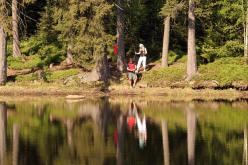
(80,25)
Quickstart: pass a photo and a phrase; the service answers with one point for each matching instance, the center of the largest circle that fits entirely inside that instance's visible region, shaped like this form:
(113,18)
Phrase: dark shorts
(132,76)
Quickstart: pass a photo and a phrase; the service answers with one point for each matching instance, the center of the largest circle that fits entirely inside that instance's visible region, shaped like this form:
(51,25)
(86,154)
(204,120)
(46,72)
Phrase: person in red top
(115,47)
(131,67)
(131,120)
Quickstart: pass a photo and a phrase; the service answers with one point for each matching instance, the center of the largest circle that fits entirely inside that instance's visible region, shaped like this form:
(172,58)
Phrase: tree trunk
(120,141)
(16,134)
(121,64)
(101,70)
(245,158)
(3,58)
(3,125)
(191,61)
(165,143)
(69,58)
(191,133)
(16,41)
(166,42)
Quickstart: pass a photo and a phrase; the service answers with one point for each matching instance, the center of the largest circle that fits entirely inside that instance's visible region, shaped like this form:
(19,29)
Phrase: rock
(75,97)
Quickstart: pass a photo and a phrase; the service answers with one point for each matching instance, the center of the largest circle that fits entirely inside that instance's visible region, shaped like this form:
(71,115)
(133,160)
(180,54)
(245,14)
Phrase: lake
(123,131)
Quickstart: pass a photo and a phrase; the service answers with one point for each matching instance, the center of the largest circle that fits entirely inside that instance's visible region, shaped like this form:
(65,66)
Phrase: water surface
(106,131)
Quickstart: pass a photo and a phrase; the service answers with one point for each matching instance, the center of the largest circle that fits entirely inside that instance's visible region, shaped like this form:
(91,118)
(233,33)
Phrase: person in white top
(142,59)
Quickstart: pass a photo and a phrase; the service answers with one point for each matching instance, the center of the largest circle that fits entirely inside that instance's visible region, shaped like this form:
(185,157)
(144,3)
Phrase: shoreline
(122,90)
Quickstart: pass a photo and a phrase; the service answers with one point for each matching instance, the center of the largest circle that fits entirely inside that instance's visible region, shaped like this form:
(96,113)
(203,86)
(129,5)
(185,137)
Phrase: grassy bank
(223,73)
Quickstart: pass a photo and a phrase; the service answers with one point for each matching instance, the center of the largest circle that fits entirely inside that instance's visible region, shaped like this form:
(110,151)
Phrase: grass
(19,63)
(165,76)
(225,71)
(61,74)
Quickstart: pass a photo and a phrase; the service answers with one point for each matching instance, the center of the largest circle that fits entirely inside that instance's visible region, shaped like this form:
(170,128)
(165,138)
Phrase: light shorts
(132,76)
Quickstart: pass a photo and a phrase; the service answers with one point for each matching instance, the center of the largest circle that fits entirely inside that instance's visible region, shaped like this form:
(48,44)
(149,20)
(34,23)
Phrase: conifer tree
(80,24)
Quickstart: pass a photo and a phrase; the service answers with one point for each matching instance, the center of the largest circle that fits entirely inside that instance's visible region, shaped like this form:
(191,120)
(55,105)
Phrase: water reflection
(130,132)
(165,143)
(3,125)
(191,133)
(16,134)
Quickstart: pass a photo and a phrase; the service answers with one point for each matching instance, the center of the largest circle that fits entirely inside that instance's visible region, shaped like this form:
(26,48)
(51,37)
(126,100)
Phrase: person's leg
(139,63)
(135,78)
(144,63)
(134,82)
(130,82)
(130,79)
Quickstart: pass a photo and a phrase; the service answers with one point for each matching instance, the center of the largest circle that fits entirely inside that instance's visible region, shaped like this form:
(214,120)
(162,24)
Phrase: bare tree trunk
(121,64)
(245,158)
(3,125)
(191,133)
(165,143)
(166,42)
(120,141)
(69,58)
(16,41)
(101,70)
(191,61)
(69,127)
(3,58)
(16,134)
(245,26)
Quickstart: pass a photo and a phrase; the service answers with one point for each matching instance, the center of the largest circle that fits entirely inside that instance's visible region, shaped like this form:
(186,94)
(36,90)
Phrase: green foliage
(80,24)
(61,74)
(28,77)
(19,63)
(225,71)
(31,45)
(165,76)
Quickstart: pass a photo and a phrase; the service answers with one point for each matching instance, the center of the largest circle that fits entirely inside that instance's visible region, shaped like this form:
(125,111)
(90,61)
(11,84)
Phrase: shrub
(19,63)
(61,74)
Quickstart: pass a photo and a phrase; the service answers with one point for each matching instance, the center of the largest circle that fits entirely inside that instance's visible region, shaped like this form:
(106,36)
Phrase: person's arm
(138,52)
(145,51)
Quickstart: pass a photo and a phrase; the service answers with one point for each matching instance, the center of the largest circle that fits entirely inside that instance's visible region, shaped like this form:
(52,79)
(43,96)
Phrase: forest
(190,43)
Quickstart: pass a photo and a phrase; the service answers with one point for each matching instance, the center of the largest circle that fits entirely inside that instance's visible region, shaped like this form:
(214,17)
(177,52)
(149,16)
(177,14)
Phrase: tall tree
(15,31)
(80,25)
(3,44)
(121,64)
(169,11)
(166,40)
(245,26)
(191,61)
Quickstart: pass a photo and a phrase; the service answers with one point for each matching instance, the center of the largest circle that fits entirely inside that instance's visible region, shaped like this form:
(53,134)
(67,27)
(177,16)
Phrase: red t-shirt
(131,66)
(131,122)
(115,47)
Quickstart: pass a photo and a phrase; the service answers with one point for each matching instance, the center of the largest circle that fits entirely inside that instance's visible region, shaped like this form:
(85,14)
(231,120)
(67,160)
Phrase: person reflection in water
(131,120)
(142,132)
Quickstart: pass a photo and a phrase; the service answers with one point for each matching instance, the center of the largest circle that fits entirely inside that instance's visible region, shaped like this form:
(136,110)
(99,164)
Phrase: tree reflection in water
(82,132)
